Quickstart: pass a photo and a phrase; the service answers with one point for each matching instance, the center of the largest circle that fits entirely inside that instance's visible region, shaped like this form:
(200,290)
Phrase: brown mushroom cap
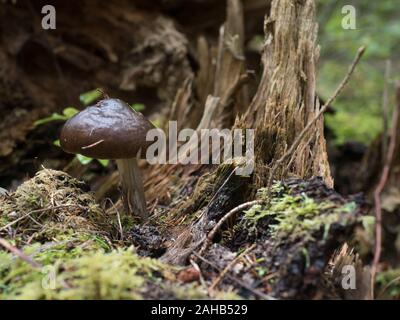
(111,129)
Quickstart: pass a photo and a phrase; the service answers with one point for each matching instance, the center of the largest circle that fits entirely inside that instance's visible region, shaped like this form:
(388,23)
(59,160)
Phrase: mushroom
(111,129)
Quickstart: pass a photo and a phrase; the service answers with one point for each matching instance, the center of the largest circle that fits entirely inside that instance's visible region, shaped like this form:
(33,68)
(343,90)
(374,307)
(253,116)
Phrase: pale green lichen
(297,216)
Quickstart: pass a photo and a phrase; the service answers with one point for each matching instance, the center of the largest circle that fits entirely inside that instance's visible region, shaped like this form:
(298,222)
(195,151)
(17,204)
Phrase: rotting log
(286,98)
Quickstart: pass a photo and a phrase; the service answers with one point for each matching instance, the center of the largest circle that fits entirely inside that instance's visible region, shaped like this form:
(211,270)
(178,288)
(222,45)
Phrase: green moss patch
(119,274)
(295,231)
(52,206)
(388,284)
(297,216)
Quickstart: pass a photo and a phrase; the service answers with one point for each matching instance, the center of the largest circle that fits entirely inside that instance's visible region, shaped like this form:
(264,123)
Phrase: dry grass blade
(32,212)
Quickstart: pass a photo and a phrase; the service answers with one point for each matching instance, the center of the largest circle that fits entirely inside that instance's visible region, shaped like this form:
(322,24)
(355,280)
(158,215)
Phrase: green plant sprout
(68,112)
(138,106)
(85,98)
(88,97)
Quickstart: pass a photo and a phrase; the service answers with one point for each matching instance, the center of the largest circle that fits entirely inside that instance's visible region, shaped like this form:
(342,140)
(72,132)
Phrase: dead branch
(37,211)
(218,226)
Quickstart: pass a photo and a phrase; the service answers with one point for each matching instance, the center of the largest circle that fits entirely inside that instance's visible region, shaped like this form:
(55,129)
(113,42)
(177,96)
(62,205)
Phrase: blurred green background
(358,110)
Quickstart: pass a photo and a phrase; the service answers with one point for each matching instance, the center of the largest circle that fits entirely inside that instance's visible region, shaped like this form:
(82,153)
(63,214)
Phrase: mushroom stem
(132,187)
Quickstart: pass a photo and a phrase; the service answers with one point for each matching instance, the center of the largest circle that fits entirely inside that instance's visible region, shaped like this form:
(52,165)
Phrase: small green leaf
(70,112)
(103,162)
(84,160)
(54,117)
(157,123)
(67,113)
(88,97)
(138,106)
(57,143)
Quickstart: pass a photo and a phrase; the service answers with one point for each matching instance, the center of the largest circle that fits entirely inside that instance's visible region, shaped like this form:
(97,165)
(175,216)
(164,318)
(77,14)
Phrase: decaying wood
(228,76)
(221,192)
(257,293)
(345,258)
(285,103)
(286,99)
(230,64)
(289,154)
(229,266)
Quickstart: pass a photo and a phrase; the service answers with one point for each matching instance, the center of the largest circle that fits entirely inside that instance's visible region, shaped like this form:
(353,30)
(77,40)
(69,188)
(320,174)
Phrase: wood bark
(286,98)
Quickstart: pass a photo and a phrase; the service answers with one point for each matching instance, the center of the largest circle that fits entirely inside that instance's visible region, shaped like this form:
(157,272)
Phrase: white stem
(132,187)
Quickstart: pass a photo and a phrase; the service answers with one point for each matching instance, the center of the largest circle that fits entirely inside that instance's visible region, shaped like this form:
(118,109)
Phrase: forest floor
(64,232)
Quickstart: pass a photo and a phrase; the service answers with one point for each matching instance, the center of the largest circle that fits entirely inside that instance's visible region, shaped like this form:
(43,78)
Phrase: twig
(300,137)
(388,285)
(35,211)
(222,185)
(230,266)
(214,231)
(18,253)
(197,268)
(385,109)
(239,282)
(381,186)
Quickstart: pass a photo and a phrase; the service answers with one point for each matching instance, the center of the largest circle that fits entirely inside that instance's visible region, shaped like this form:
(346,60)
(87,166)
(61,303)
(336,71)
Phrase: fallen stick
(239,282)
(18,253)
(216,228)
(36,211)
(230,266)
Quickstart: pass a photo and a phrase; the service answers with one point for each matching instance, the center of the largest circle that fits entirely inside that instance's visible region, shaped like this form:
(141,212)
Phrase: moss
(119,274)
(388,284)
(295,229)
(52,206)
(361,126)
(295,216)
(67,234)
